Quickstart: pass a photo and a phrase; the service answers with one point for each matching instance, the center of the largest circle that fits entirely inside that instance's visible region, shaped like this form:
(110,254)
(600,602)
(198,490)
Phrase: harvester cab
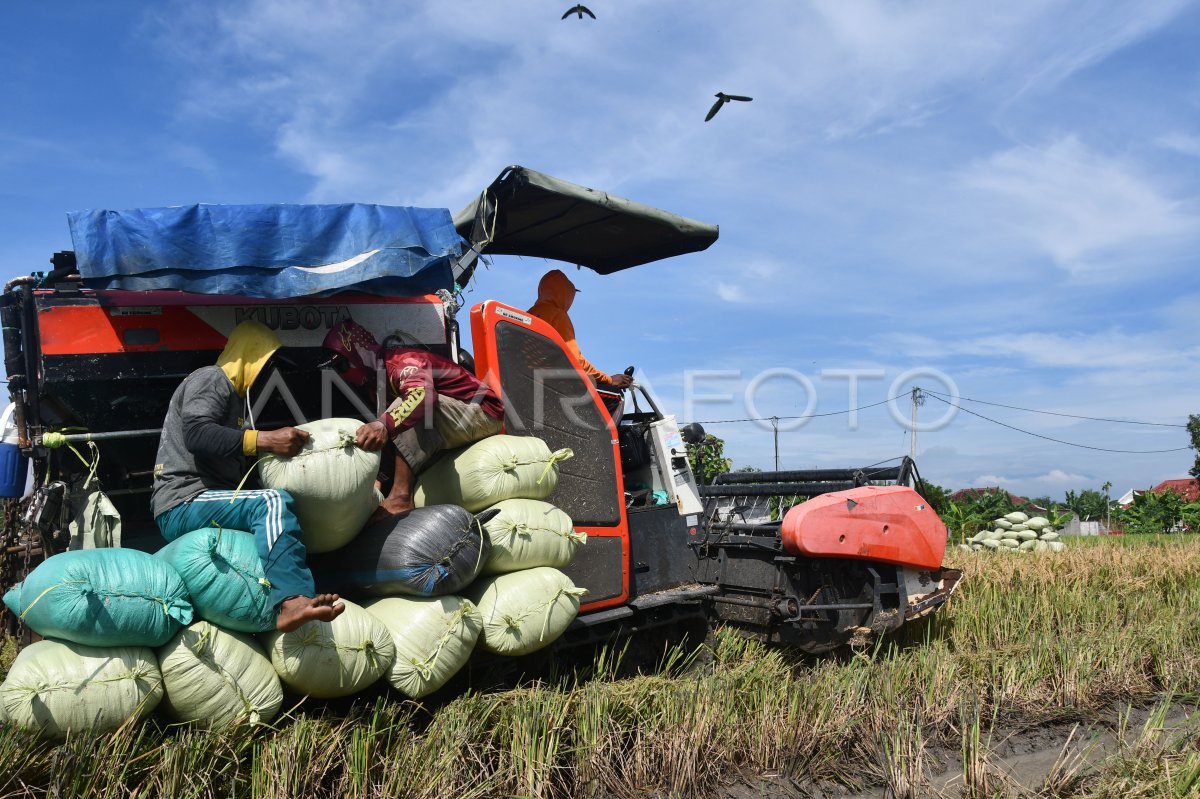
(93,356)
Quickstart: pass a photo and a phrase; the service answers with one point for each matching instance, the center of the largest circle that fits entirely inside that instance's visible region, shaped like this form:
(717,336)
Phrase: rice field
(1047,675)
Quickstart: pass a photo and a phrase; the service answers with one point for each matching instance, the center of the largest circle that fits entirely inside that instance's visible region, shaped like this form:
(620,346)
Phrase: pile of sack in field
(475,566)
(1017,532)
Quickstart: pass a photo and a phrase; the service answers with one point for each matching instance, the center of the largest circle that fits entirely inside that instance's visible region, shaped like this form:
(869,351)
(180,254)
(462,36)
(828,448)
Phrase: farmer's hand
(371,436)
(285,442)
(621,380)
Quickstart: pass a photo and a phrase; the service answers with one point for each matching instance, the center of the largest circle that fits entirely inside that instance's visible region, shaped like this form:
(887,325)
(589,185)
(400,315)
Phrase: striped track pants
(267,513)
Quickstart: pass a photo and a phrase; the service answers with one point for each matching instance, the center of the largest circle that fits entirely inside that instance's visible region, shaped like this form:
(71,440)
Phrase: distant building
(969,494)
(1188,489)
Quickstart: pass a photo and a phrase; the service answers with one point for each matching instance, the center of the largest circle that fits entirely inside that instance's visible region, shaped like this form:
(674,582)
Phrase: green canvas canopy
(530,213)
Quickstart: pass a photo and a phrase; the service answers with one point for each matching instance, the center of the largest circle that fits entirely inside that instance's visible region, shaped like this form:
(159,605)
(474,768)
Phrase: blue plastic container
(14,467)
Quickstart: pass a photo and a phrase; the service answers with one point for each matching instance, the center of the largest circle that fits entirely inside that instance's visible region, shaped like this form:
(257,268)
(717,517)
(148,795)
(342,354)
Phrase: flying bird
(580,10)
(723,98)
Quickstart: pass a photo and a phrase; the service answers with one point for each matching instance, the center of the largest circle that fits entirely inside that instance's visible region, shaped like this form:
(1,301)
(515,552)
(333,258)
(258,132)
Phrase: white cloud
(1083,209)
(1186,143)
(1056,480)
(731,293)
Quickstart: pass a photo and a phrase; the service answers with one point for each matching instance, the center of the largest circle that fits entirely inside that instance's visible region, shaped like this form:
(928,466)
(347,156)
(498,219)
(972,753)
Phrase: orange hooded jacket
(556,292)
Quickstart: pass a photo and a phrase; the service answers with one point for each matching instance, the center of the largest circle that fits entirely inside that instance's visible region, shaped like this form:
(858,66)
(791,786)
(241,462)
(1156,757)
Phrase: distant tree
(962,520)
(1088,505)
(935,495)
(1042,502)
(1193,428)
(991,504)
(708,459)
(1154,512)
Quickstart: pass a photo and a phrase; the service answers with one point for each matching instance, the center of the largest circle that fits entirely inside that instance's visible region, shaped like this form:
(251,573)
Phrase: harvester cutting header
(96,347)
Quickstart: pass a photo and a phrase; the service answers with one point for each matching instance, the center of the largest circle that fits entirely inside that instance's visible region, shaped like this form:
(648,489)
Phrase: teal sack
(225,578)
(103,597)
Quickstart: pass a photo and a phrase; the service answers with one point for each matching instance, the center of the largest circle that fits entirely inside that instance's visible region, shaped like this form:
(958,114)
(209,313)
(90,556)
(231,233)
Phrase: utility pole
(775,427)
(917,399)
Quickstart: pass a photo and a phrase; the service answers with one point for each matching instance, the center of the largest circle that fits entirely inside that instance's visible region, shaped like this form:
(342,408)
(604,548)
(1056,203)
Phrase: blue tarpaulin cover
(269,251)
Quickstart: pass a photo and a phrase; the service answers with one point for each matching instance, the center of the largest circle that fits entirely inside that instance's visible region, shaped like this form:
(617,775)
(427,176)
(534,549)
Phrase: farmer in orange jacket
(556,293)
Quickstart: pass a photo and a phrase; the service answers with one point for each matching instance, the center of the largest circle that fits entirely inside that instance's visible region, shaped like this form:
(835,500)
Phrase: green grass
(1028,639)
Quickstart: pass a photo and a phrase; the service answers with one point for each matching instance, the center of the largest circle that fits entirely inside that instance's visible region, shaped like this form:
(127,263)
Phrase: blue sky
(1004,197)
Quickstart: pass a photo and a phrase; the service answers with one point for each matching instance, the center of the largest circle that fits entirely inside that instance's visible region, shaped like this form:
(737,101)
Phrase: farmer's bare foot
(298,610)
(392,506)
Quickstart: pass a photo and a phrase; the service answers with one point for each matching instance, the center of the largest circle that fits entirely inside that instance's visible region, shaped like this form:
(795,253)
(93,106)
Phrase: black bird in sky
(580,10)
(723,98)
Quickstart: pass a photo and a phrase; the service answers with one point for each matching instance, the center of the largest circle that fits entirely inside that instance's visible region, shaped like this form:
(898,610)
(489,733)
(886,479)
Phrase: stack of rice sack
(524,600)
(127,632)
(191,628)
(1017,532)
(475,565)
(103,613)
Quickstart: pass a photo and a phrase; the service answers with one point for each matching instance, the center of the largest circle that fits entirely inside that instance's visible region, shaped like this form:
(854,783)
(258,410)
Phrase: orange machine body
(893,524)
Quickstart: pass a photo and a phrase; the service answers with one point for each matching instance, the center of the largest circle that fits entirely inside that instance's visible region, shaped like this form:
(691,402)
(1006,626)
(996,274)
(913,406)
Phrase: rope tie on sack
(54,440)
(573,592)
(556,456)
(202,643)
(48,590)
(425,667)
(238,568)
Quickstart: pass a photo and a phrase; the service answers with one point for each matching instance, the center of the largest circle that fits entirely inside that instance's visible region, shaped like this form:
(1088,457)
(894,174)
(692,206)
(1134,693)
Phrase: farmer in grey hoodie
(202,457)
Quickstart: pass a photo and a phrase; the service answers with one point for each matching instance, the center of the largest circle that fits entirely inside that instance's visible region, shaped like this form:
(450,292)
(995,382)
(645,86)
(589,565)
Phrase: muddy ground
(1026,755)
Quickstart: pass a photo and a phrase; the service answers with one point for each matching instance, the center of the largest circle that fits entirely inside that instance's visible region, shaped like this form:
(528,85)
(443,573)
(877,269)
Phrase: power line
(1054,413)
(1059,440)
(807,416)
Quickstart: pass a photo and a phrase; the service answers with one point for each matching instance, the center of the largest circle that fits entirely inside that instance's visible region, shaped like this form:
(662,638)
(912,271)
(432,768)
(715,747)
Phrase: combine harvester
(95,347)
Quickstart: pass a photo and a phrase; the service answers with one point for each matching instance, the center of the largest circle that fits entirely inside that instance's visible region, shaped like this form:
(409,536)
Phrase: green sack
(528,532)
(1038,523)
(1016,517)
(332,482)
(328,659)
(225,578)
(1029,545)
(494,469)
(56,687)
(1049,536)
(434,638)
(526,610)
(1003,523)
(103,597)
(214,677)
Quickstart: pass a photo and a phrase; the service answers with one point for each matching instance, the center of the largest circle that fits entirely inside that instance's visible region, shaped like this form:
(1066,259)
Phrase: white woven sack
(1016,517)
(55,687)
(434,638)
(1002,523)
(1038,523)
(331,480)
(524,611)
(329,659)
(214,677)
(497,468)
(527,533)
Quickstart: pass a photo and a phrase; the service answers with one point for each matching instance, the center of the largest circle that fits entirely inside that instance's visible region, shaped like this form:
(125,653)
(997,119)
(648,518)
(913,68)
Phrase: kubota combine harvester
(93,358)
